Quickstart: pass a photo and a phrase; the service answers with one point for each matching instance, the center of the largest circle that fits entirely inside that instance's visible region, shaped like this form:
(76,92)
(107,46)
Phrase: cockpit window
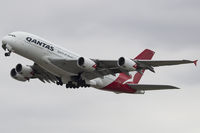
(11,35)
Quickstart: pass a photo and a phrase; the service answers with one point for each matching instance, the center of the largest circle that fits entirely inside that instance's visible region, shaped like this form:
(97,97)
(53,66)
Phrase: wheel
(7,54)
(67,86)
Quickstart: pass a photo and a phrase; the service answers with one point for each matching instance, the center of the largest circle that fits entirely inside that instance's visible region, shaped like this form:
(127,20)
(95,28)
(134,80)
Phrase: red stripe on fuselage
(118,86)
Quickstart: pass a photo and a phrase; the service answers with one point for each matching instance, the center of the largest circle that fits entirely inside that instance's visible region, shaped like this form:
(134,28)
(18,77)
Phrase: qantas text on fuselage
(40,43)
(58,65)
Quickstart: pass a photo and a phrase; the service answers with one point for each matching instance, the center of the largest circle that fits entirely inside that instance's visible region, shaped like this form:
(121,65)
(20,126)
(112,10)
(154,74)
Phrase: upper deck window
(11,35)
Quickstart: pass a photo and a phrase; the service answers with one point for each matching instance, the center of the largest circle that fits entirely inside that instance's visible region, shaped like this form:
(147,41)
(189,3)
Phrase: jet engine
(25,71)
(126,64)
(86,64)
(17,76)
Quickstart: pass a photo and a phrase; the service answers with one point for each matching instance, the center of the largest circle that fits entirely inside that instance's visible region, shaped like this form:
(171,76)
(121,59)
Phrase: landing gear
(4,46)
(75,85)
(76,82)
(59,82)
(71,85)
(7,54)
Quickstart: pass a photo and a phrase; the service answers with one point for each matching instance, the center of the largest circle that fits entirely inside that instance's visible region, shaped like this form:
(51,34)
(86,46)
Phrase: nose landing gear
(8,53)
(4,46)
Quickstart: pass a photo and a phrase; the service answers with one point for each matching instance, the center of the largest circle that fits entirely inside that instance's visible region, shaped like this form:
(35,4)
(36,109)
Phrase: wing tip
(195,62)
(173,87)
(176,87)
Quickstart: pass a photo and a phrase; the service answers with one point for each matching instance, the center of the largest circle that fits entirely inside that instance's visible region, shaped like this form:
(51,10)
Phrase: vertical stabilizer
(145,55)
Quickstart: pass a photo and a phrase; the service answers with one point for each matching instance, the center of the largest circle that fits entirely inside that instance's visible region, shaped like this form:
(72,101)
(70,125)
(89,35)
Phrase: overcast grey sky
(106,29)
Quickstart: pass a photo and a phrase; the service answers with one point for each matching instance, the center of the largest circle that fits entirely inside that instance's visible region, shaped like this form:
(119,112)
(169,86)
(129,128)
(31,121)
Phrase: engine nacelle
(17,76)
(86,64)
(126,64)
(25,71)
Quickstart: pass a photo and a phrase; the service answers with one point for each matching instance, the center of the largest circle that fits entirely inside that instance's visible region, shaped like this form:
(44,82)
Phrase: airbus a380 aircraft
(60,66)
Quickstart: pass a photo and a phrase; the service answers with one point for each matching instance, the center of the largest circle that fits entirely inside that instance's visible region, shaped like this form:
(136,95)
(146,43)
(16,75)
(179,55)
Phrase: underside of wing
(43,75)
(102,67)
(67,65)
(93,68)
(147,87)
(157,63)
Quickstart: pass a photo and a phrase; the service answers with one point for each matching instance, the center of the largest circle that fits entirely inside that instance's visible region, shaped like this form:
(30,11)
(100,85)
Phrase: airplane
(58,65)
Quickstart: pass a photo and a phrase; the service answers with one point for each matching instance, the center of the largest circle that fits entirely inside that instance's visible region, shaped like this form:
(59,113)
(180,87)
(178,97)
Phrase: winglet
(195,62)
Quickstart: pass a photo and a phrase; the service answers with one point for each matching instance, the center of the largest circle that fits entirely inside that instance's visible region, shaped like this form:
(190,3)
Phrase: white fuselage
(40,50)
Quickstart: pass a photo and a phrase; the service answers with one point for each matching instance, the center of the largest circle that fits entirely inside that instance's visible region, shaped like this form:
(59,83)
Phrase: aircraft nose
(5,40)
(4,43)
(7,43)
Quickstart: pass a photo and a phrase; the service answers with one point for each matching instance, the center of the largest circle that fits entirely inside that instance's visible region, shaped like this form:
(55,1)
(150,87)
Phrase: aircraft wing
(157,63)
(106,67)
(146,87)
(42,74)
(149,64)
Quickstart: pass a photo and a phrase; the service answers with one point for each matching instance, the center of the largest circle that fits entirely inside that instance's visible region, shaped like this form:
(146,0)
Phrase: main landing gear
(59,82)
(75,85)
(76,82)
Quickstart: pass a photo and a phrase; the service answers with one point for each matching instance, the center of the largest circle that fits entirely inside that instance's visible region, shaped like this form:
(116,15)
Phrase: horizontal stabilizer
(151,87)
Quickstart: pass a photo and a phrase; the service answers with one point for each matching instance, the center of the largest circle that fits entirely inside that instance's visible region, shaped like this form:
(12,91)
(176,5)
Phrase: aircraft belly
(102,82)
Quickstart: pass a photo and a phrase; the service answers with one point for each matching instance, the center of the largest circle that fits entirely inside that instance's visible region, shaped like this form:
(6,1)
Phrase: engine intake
(126,64)
(26,71)
(17,76)
(81,61)
(86,64)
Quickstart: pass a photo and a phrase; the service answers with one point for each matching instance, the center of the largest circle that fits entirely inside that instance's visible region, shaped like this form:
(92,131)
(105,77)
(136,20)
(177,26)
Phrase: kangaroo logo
(129,80)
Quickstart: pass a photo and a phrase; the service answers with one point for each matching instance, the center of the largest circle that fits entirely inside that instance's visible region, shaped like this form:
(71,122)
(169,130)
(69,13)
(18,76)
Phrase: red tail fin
(145,55)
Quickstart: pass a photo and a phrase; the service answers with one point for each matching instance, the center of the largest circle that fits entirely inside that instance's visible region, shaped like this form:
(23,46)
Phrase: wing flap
(151,87)
(43,75)
(67,65)
(105,67)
